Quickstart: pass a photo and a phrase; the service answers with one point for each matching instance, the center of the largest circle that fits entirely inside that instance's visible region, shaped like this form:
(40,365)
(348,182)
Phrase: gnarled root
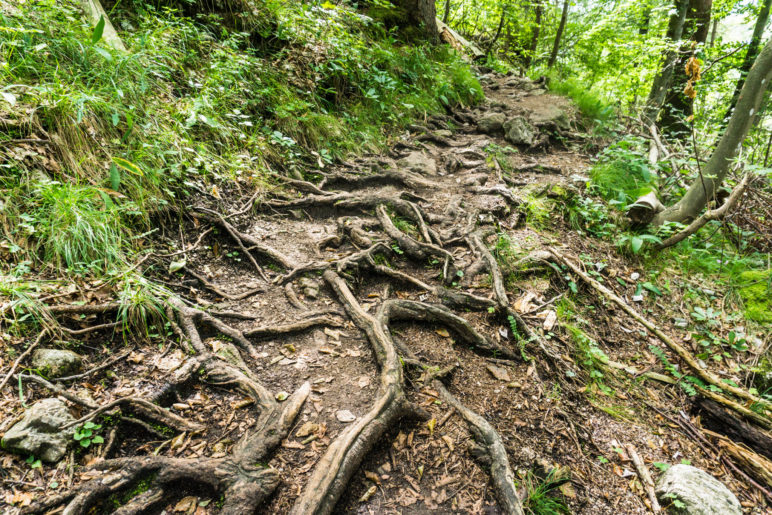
(344,455)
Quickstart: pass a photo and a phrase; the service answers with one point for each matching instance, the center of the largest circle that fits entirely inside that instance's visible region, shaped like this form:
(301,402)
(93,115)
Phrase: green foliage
(86,434)
(755,288)
(193,101)
(595,110)
(543,496)
(622,173)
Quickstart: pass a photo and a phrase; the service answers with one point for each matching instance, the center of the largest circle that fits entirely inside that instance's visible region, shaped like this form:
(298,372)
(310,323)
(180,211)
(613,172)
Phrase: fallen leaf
(443,332)
(307,429)
(499,373)
(549,322)
(186,504)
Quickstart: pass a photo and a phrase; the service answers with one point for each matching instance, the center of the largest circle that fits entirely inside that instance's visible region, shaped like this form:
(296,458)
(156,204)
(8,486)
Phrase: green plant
(86,434)
(543,496)
(634,243)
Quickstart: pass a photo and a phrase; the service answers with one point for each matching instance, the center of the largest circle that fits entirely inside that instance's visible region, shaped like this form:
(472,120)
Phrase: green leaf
(174,266)
(653,289)
(78,436)
(115,177)
(104,53)
(661,466)
(128,166)
(636,243)
(98,439)
(85,443)
(98,30)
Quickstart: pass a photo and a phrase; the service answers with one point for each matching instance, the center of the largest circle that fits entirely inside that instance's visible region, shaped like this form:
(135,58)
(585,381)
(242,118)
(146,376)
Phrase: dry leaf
(443,332)
(186,505)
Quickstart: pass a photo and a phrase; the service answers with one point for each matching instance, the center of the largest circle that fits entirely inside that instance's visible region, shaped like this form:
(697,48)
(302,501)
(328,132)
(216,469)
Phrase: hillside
(296,257)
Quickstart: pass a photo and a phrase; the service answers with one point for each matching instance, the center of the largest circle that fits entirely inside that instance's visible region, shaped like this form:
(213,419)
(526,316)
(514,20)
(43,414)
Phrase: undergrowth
(98,142)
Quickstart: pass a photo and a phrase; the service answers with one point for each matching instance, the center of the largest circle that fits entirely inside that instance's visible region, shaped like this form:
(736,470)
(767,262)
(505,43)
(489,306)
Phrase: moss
(756,293)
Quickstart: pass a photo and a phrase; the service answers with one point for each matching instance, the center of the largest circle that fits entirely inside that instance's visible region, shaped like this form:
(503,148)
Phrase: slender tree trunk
(447,12)
(645,21)
(713,33)
(750,55)
(715,170)
(662,79)
(534,35)
(498,31)
(559,35)
(679,106)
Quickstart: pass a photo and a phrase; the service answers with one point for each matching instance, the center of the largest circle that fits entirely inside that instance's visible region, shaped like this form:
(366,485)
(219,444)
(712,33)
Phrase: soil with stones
(351,344)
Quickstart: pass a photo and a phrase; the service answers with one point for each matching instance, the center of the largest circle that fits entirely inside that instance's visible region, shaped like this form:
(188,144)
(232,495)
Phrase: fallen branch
(643,473)
(684,354)
(713,214)
(24,354)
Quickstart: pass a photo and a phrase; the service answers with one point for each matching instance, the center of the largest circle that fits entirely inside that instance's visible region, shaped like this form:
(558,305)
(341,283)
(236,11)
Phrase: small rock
(55,363)
(499,373)
(518,131)
(310,287)
(345,415)
(491,123)
(39,432)
(699,492)
(635,276)
(638,298)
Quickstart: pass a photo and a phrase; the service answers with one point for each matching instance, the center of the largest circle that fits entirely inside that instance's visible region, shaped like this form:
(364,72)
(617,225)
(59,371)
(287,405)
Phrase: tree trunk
(662,79)
(420,13)
(446,16)
(534,35)
(750,55)
(498,31)
(559,35)
(678,106)
(715,170)
(713,33)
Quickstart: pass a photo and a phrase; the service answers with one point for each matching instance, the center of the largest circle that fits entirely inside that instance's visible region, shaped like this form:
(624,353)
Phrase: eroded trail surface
(365,345)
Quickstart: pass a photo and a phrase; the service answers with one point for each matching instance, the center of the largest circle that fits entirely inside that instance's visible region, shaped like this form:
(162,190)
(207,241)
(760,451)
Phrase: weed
(543,497)
(86,434)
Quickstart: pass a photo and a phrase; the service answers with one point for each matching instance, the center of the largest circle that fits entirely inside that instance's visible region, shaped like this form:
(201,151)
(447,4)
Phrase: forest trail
(376,333)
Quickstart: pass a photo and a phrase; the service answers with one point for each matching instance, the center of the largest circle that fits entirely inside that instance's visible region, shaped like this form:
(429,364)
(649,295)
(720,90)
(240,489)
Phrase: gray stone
(310,287)
(491,123)
(39,432)
(418,162)
(56,362)
(549,115)
(518,131)
(699,492)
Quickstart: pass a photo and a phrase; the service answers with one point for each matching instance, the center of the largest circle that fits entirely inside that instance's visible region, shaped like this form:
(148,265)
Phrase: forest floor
(437,251)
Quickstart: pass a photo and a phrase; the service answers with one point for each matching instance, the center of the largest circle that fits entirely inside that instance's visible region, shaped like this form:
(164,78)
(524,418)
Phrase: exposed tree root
(488,437)
(344,455)
(239,477)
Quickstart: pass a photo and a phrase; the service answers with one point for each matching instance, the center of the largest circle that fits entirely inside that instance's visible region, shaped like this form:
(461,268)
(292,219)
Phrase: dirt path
(369,363)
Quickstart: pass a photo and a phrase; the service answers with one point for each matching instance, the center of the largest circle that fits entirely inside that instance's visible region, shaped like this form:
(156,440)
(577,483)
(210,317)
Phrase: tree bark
(534,35)
(750,55)
(420,13)
(714,172)
(678,106)
(662,79)
(446,16)
(559,35)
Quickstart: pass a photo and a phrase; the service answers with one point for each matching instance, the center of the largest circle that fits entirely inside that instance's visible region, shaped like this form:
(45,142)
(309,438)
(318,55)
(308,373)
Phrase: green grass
(195,101)
(542,497)
(596,111)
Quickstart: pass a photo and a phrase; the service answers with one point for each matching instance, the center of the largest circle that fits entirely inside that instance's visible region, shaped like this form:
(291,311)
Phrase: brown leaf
(186,505)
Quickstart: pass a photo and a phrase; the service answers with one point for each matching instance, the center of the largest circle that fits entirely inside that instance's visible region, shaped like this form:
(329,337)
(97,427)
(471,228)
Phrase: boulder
(491,123)
(698,493)
(39,433)
(55,363)
(549,116)
(418,162)
(517,130)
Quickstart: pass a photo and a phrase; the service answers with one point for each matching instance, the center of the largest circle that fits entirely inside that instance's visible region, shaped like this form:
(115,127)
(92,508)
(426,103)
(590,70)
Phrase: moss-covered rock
(756,292)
